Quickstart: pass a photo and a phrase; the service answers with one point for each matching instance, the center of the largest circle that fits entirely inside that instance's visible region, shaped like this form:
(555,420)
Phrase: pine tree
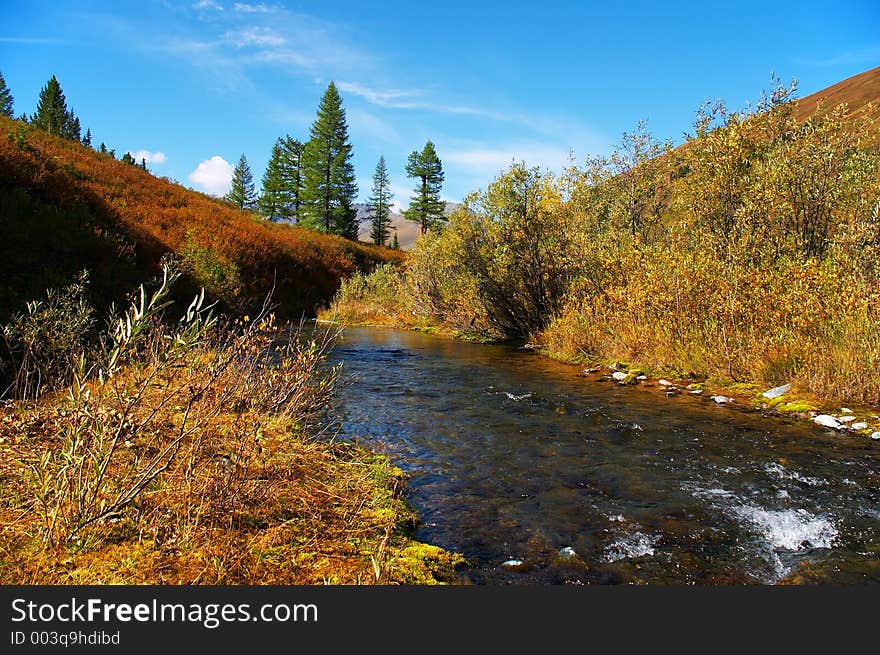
(328,175)
(52,113)
(87,139)
(103,148)
(127,158)
(242,193)
(395,244)
(379,205)
(281,198)
(6,100)
(425,207)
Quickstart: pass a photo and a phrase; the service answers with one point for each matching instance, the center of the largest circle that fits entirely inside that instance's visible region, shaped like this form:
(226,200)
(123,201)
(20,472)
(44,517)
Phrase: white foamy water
(784,474)
(789,529)
(637,544)
(516,398)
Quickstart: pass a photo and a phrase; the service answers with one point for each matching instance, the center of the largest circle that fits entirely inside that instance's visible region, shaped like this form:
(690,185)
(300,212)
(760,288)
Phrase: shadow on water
(511,456)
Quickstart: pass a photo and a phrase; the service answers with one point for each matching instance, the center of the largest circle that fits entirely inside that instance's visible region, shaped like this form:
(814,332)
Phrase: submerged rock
(775,392)
(827,421)
(567,553)
(515,564)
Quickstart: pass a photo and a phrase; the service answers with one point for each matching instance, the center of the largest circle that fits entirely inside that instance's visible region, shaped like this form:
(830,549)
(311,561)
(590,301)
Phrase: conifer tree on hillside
(87,139)
(242,193)
(52,113)
(6,100)
(395,244)
(281,198)
(425,207)
(329,185)
(379,205)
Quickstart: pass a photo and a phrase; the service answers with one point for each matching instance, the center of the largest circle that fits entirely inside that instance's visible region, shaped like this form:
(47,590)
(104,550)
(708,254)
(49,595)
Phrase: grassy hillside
(65,208)
(858,92)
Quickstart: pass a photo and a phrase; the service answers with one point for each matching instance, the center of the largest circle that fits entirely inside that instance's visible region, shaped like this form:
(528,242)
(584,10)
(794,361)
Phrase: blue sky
(197,83)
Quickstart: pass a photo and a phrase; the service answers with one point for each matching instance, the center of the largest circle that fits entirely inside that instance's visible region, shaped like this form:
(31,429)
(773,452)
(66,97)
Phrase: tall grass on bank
(191,451)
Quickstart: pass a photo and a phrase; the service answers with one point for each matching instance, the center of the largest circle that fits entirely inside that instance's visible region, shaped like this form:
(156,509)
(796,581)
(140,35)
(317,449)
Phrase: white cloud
(246,8)
(411,99)
(261,37)
(207,4)
(151,157)
(213,176)
(362,123)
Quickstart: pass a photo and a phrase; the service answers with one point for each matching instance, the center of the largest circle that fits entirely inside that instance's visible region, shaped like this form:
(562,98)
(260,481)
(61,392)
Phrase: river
(512,456)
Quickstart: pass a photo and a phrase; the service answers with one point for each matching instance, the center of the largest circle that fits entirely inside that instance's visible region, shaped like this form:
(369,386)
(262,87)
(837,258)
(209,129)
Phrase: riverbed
(539,476)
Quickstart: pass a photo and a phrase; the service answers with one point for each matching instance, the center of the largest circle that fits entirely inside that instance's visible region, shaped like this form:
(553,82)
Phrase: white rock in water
(827,421)
(696,392)
(513,563)
(567,553)
(642,378)
(619,375)
(722,400)
(775,392)
(664,383)
(876,435)
(846,419)
(861,425)
(845,410)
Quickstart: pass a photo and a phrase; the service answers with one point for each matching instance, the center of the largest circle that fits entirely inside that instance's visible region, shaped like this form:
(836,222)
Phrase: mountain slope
(857,91)
(65,207)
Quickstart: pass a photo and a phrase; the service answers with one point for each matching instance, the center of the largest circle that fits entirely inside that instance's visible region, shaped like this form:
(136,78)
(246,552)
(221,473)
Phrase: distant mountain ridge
(407,231)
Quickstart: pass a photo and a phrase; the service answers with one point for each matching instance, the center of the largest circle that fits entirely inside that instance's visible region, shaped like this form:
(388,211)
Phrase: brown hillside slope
(857,91)
(65,207)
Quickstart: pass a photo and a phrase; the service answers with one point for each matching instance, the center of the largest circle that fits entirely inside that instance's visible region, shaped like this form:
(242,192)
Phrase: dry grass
(200,453)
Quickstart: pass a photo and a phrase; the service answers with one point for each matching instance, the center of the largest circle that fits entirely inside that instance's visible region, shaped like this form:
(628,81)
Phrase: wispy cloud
(259,8)
(262,37)
(32,40)
(870,55)
(411,99)
(207,4)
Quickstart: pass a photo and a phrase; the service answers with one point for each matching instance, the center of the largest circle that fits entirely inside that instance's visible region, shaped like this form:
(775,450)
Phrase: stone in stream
(775,392)
(876,435)
(619,375)
(827,421)
(665,383)
(567,553)
(514,565)
(722,400)
(861,425)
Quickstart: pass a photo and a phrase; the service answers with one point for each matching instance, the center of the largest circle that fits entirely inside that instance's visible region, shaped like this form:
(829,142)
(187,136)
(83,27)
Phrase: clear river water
(512,456)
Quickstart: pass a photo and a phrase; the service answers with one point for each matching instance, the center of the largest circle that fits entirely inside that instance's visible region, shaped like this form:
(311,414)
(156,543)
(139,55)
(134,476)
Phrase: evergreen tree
(328,175)
(6,100)
(395,244)
(52,113)
(425,207)
(281,198)
(144,163)
(242,193)
(87,139)
(379,205)
(127,158)
(103,148)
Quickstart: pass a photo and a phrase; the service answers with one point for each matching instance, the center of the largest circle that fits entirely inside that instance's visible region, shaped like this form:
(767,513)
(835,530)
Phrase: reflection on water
(512,456)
